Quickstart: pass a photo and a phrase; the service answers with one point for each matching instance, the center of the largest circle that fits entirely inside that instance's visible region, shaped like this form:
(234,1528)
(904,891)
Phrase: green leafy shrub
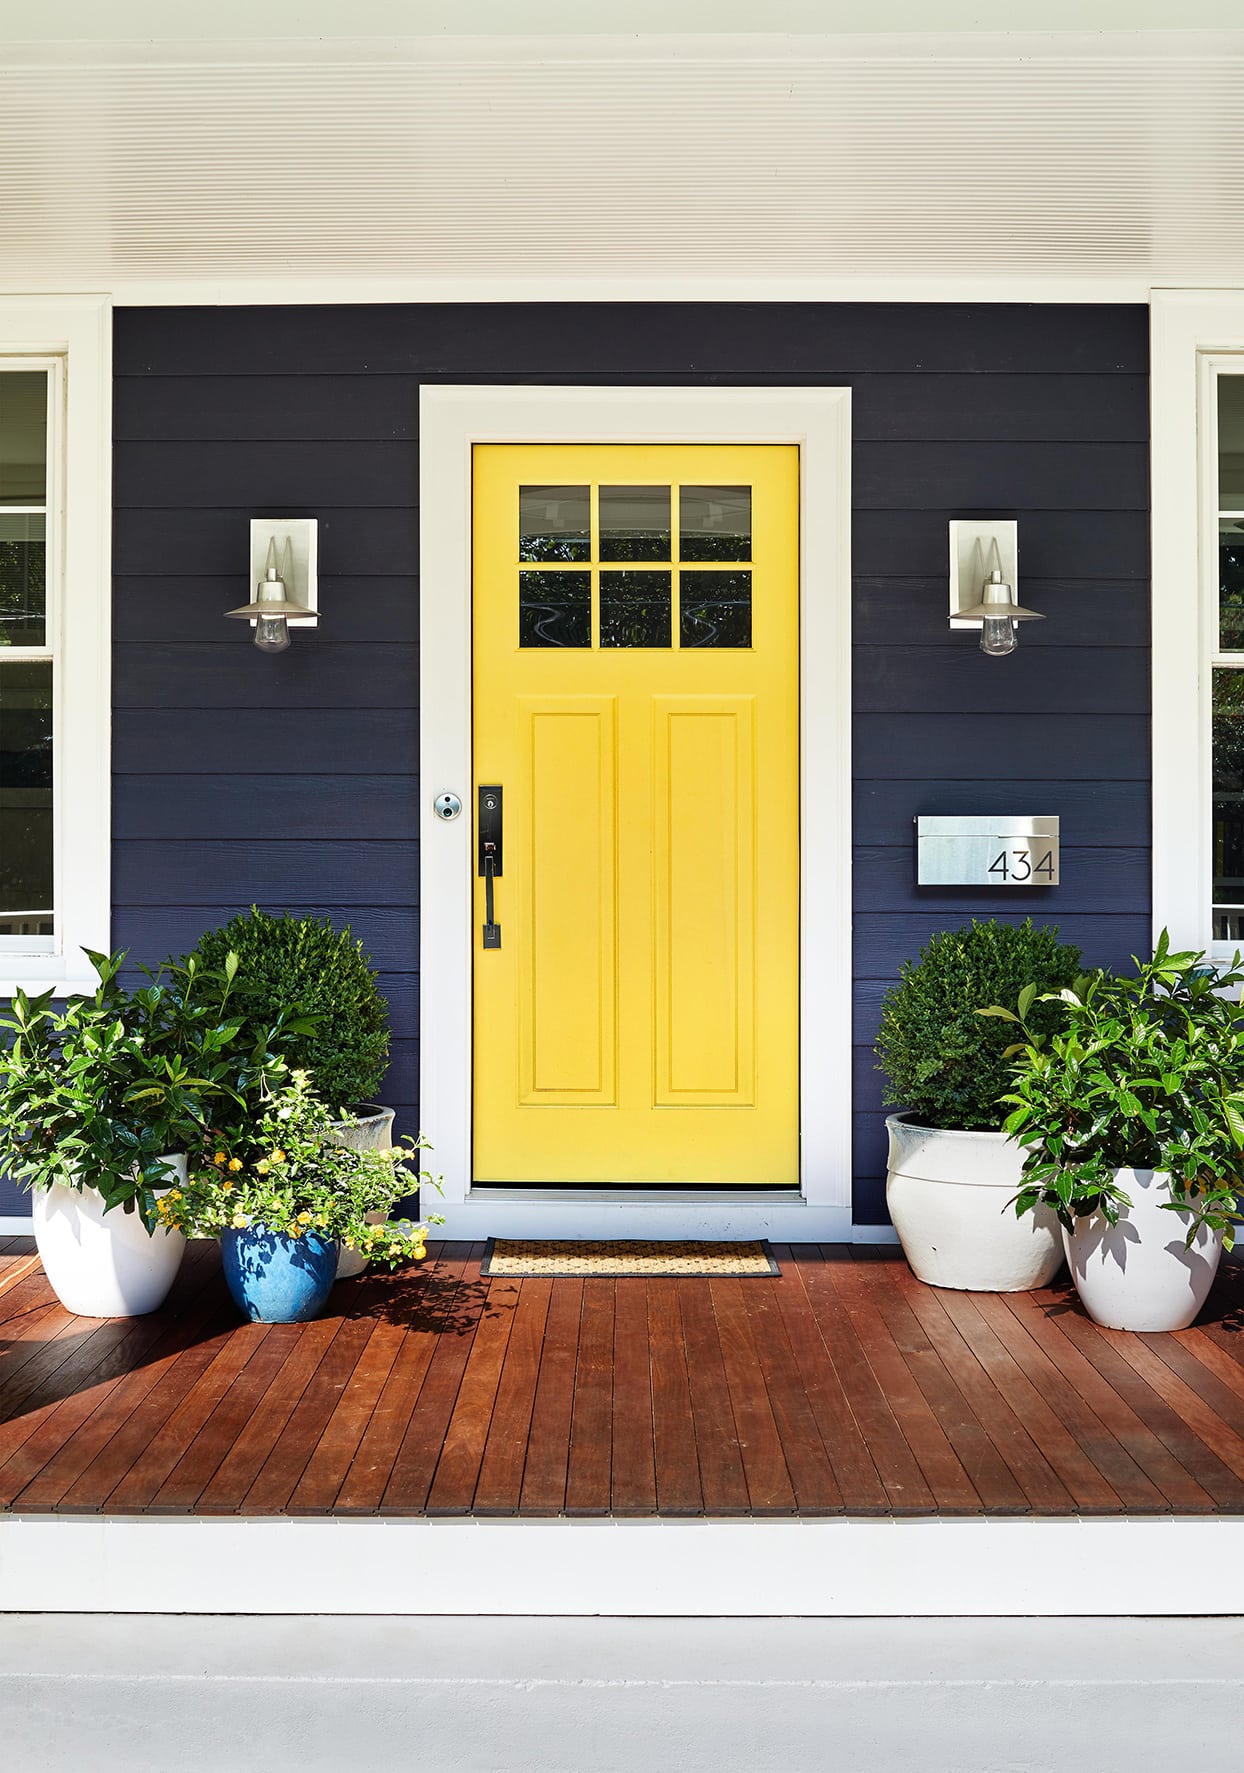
(305,969)
(946,1064)
(1143,1073)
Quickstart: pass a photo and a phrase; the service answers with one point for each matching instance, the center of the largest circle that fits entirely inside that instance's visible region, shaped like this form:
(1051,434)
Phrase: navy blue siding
(295,780)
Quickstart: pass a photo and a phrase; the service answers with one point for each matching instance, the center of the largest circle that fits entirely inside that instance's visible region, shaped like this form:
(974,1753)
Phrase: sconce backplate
(969,566)
(303,533)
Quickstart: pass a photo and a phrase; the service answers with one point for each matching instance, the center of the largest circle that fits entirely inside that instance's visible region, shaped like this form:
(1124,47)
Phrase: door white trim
(452,421)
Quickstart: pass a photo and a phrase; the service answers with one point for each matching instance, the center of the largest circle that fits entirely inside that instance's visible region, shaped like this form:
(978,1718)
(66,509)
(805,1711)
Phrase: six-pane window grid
(607,572)
(26,663)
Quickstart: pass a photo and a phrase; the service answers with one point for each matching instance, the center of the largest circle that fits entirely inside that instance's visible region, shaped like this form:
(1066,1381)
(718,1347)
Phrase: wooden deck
(844,1386)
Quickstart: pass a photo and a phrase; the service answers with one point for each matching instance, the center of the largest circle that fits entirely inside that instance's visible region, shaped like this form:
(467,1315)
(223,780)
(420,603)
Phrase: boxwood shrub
(302,965)
(945,1063)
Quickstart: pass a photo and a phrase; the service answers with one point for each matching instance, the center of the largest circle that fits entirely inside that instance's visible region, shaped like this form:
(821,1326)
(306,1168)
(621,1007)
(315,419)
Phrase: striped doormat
(531,1258)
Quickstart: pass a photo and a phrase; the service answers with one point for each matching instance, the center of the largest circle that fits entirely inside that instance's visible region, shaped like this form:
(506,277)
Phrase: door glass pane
(635,609)
(1231,585)
(715,522)
(716,608)
(554,523)
(23,584)
(26,798)
(1231,443)
(555,609)
(23,437)
(634,523)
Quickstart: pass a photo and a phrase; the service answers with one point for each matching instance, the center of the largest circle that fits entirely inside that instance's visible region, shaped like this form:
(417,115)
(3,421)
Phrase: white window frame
(72,337)
(452,421)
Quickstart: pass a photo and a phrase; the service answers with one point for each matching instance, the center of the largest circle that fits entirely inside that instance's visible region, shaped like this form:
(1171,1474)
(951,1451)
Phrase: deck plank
(718,1454)
(634,1474)
(811,1472)
(462,1450)
(414,1468)
(1014,1463)
(841,1435)
(500,1485)
(588,1470)
(1042,1314)
(769,1486)
(548,1451)
(1109,1456)
(906,1487)
(431,1302)
(676,1461)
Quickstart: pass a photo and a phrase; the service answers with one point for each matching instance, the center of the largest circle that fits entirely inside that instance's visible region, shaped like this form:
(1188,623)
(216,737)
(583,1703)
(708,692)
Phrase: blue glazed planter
(275,1279)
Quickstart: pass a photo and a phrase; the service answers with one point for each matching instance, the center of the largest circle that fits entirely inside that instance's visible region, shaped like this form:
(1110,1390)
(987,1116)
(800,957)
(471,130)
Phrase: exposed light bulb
(997,635)
(272,634)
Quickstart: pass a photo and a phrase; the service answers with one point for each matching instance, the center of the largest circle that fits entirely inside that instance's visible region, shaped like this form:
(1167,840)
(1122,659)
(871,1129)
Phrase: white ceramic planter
(949,1195)
(104,1264)
(1137,1275)
(373,1131)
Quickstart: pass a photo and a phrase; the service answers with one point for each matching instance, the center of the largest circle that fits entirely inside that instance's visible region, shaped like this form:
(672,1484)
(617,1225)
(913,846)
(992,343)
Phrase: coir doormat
(530,1258)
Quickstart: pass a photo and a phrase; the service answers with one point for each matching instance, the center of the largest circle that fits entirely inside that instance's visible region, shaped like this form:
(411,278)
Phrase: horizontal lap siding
(294,780)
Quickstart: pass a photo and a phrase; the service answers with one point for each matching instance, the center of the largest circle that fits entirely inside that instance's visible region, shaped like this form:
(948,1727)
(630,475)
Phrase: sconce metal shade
(271,597)
(998,599)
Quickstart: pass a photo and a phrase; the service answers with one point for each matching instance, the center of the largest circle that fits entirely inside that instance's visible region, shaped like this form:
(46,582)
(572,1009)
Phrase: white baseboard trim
(873,1234)
(845,1567)
(14,1225)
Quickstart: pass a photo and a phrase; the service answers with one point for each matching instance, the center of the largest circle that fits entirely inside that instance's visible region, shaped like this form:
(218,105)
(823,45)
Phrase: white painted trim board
(840,1567)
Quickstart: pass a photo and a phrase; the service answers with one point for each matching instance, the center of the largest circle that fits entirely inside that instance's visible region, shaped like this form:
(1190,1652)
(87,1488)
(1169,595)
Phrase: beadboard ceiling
(641,164)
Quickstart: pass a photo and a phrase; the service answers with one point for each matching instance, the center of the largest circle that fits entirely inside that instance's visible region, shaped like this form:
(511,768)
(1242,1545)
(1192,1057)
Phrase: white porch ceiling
(611,164)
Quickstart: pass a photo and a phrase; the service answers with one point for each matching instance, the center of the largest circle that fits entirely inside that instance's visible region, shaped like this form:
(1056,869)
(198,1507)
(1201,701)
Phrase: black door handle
(490,856)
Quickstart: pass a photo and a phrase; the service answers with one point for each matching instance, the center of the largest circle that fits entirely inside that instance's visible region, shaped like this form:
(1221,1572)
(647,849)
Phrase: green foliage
(96,1092)
(320,980)
(280,1167)
(1143,1073)
(944,1064)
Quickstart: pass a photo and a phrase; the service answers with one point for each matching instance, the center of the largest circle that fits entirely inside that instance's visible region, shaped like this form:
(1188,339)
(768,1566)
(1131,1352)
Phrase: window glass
(554,523)
(26,798)
(23,577)
(555,609)
(635,609)
(634,523)
(23,437)
(716,608)
(715,523)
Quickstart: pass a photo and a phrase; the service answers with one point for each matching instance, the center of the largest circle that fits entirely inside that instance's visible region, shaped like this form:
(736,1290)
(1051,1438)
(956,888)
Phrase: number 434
(1021,865)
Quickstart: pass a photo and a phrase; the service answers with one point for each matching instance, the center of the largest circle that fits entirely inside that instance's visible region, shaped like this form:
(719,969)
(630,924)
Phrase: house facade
(640,513)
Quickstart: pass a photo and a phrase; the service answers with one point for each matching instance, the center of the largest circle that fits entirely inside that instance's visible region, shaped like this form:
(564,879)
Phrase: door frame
(452,420)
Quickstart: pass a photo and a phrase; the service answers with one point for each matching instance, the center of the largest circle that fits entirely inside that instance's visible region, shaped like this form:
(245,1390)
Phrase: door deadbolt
(447,806)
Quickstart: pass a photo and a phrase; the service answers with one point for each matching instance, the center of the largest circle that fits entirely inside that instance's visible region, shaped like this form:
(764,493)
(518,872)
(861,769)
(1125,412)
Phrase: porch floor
(843,1386)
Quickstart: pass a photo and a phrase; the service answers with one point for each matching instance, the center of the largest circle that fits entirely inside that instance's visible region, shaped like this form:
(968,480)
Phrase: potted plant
(1131,1113)
(302,966)
(99,1101)
(952,1168)
(283,1194)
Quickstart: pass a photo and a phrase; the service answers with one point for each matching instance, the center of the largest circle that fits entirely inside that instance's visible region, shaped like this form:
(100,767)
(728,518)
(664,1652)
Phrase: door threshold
(638,1197)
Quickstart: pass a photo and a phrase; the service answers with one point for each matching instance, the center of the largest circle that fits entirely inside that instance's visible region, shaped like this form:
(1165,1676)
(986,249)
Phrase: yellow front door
(636,701)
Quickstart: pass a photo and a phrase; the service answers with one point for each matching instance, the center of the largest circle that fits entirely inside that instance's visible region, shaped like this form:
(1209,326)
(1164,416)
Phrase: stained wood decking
(842,1386)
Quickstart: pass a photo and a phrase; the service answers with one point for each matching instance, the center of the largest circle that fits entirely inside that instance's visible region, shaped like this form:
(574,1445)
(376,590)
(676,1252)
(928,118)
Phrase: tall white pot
(372,1131)
(1137,1275)
(949,1195)
(104,1264)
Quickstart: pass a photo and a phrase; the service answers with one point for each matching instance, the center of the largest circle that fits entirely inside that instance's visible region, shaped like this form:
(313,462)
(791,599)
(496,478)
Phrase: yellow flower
(263,1166)
(320,1219)
(219,1158)
(235,1164)
(278,1157)
(226,1187)
(239,1221)
(305,1218)
(173,1194)
(419,1252)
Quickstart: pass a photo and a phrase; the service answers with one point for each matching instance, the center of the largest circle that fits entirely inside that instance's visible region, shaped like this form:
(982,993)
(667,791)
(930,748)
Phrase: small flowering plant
(283,1171)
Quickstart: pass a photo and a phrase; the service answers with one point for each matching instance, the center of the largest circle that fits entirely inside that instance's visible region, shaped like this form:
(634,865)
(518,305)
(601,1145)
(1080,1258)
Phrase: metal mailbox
(986,850)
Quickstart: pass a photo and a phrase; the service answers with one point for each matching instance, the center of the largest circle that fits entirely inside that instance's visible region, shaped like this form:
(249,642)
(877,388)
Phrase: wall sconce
(277,581)
(984,559)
